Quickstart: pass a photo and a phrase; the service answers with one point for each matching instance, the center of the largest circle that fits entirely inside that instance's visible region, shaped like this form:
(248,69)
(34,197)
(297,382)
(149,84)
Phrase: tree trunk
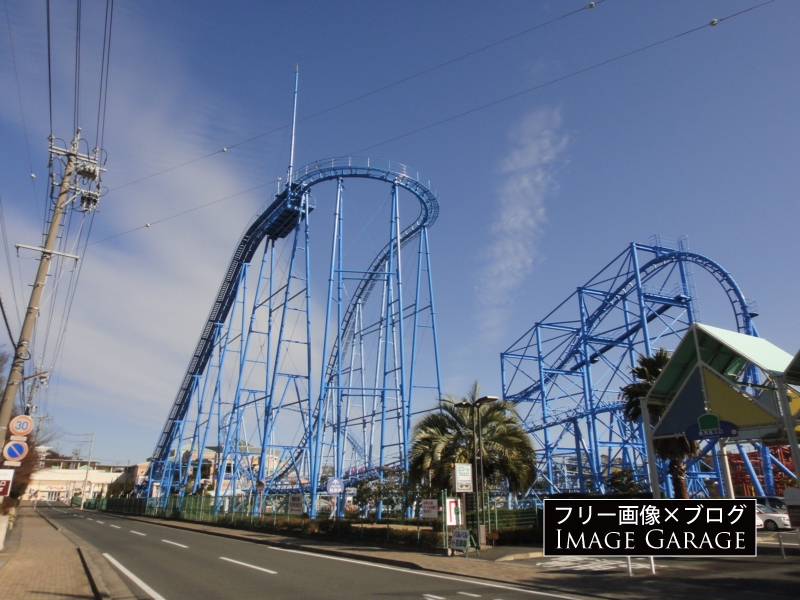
(677,470)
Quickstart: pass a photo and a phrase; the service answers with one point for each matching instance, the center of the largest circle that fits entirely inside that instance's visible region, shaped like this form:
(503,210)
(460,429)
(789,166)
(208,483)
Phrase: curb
(104,581)
(521,556)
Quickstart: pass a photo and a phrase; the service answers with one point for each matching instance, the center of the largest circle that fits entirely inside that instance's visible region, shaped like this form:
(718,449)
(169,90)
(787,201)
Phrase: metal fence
(276,514)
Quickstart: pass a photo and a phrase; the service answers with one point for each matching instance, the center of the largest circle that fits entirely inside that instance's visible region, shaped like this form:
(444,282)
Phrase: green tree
(675,450)
(445,437)
(389,490)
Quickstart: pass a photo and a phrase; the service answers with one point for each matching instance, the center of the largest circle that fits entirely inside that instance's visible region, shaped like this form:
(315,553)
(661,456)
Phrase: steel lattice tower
(565,372)
(276,399)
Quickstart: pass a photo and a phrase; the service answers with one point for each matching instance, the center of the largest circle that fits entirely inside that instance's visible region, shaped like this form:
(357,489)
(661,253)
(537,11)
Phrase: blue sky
(697,137)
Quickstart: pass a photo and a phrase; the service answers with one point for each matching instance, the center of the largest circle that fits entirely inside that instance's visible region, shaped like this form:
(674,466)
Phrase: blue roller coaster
(566,371)
(250,416)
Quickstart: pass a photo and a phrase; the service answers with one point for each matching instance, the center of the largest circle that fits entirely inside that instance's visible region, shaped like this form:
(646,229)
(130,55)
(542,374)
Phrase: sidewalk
(43,564)
(42,560)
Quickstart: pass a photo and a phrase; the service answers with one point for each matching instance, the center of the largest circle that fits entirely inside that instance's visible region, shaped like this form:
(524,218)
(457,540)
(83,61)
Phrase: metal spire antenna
(294,126)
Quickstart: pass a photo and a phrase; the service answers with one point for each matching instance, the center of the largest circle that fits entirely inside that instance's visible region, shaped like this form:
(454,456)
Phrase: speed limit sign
(21,425)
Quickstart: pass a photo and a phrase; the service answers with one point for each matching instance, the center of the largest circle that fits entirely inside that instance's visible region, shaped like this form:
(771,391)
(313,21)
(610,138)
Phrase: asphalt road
(171,564)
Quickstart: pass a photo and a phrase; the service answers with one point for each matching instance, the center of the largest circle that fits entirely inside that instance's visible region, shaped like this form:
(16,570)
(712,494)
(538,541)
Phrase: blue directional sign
(335,486)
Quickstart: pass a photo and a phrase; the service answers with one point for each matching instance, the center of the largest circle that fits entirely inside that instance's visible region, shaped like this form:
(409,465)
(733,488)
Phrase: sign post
(335,487)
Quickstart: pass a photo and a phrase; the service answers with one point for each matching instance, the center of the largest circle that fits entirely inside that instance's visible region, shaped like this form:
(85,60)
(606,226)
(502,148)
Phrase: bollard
(780,543)
(652,565)
(630,567)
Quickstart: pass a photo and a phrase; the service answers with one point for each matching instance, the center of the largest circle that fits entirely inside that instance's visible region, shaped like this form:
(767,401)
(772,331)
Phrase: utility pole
(83,167)
(88,466)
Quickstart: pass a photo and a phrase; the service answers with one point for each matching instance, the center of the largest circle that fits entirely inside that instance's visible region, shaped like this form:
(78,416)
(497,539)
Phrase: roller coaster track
(730,287)
(276,222)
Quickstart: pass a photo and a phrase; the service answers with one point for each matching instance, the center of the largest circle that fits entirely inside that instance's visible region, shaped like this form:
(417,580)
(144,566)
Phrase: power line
(77,92)
(102,100)
(8,259)
(180,214)
(367,94)
(8,327)
(49,71)
(712,23)
(21,106)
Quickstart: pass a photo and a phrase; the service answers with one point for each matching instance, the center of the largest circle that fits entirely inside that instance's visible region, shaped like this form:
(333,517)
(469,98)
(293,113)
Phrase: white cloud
(528,172)
(142,299)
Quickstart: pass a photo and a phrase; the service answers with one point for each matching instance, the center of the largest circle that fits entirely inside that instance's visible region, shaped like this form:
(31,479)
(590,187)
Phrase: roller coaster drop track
(361,393)
(565,372)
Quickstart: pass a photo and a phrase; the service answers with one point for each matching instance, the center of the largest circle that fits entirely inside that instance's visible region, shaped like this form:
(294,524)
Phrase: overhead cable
(712,23)
(367,94)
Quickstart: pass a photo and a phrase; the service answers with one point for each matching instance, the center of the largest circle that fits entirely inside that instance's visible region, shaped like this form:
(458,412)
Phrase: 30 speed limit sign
(21,425)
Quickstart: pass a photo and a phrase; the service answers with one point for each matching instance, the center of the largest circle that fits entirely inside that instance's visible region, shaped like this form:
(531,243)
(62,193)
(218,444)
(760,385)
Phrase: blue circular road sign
(335,486)
(15,450)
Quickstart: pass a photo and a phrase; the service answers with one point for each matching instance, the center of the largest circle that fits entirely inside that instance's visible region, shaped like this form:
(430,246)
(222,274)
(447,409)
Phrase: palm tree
(674,449)
(446,437)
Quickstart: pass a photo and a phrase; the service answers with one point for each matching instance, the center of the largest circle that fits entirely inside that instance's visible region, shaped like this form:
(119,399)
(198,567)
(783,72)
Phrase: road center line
(470,595)
(101,523)
(175,543)
(115,526)
(138,532)
(251,566)
(146,588)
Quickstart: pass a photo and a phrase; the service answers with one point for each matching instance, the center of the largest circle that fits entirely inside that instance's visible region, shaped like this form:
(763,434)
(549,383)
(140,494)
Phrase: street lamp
(477,445)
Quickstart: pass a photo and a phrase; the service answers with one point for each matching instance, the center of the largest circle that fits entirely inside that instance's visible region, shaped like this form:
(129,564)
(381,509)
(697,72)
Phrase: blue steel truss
(565,372)
(249,416)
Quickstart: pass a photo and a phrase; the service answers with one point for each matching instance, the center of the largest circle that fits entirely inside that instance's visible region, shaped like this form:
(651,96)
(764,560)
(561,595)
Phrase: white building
(62,484)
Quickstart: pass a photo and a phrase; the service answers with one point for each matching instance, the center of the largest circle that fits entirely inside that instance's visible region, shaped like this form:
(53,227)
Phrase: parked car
(773,519)
(759,522)
(775,502)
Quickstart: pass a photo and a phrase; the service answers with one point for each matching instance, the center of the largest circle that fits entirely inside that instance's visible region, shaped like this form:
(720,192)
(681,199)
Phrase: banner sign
(460,539)
(296,504)
(462,478)
(429,509)
(453,516)
(6,477)
(618,527)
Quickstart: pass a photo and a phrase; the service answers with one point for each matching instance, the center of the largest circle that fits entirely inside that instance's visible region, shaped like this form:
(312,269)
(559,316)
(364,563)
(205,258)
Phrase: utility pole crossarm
(46,251)
(78,167)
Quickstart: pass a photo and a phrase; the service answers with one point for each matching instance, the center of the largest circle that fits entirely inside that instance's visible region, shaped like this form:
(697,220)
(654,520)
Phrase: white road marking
(137,532)
(90,518)
(115,526)
(101,523)
(778,544)
(470,595)
(146,588)
(175,543)
(424,574)
(583,563)
(432,597)
(251,566)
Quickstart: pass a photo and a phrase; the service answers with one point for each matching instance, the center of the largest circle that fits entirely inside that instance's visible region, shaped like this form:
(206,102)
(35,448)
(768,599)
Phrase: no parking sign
(15,451)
